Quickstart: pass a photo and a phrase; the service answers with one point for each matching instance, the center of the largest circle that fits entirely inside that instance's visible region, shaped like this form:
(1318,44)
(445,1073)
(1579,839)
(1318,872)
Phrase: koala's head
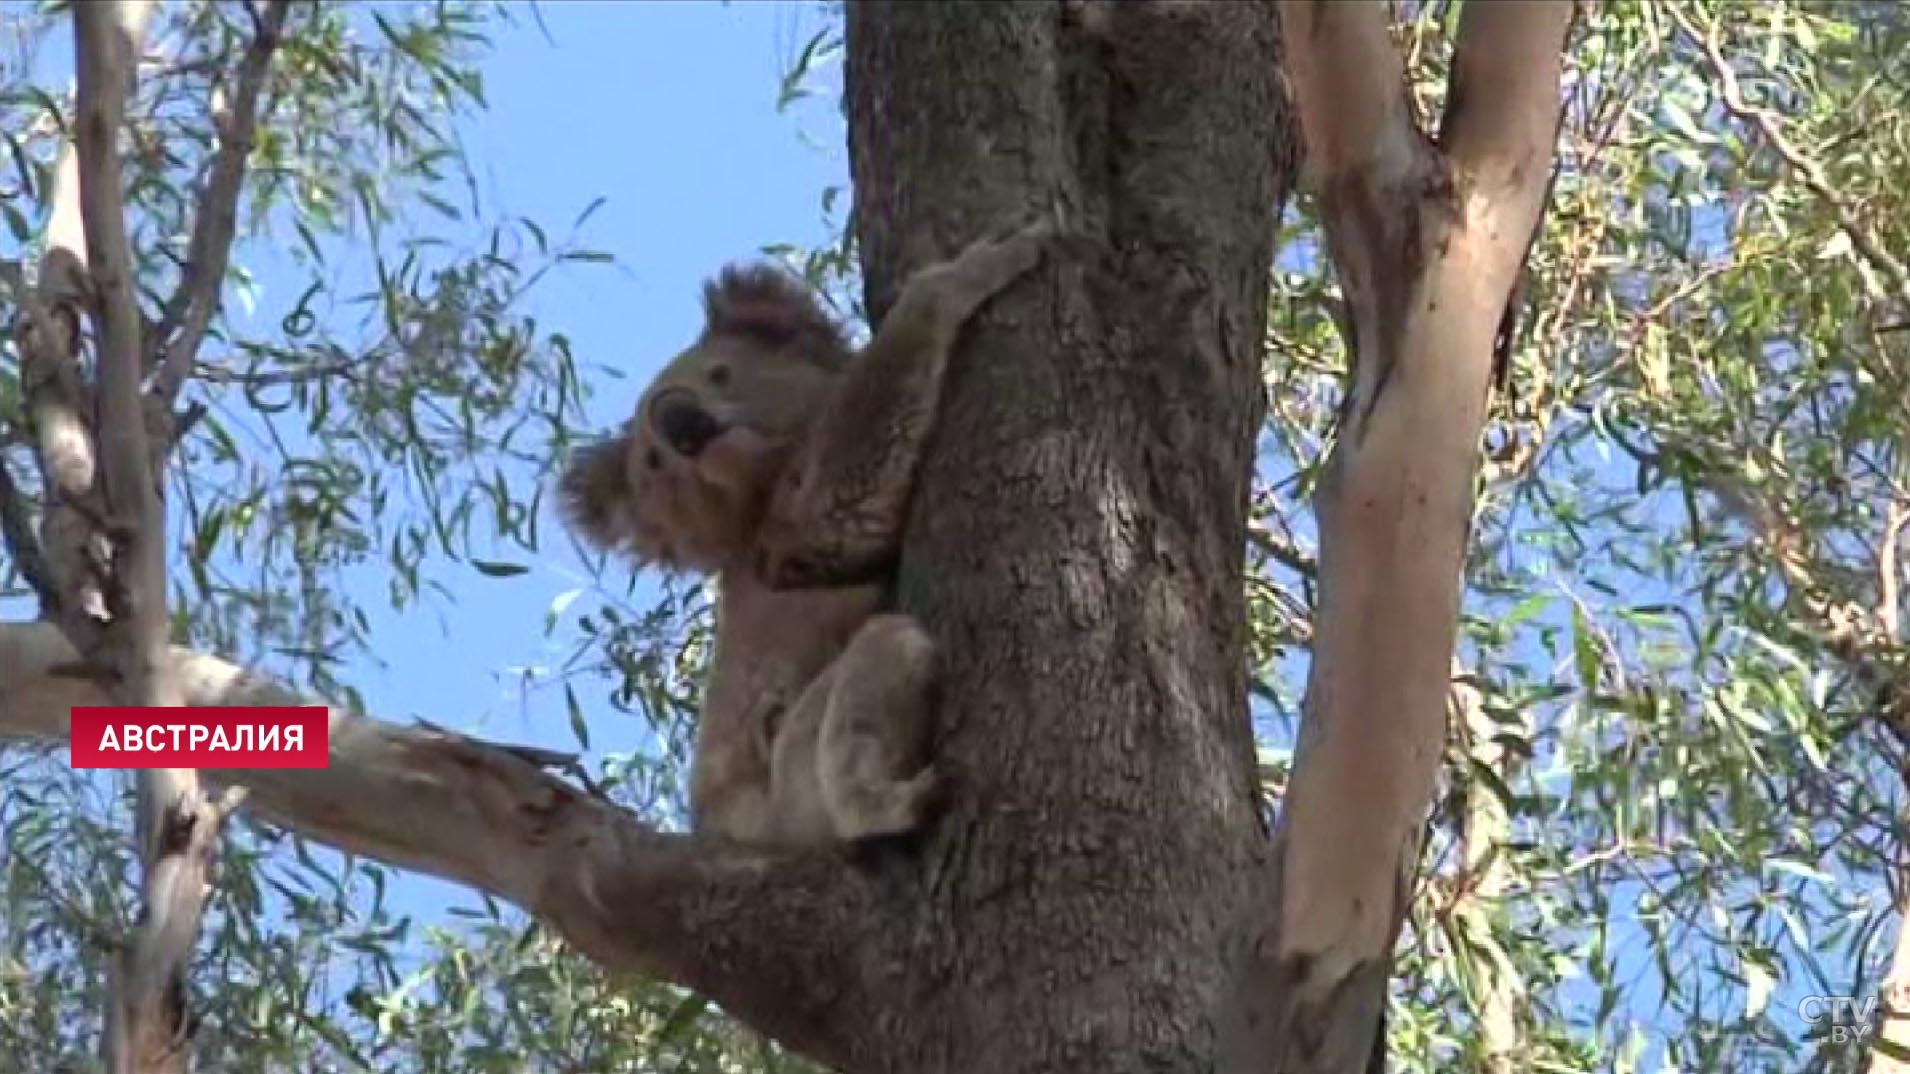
(685,484)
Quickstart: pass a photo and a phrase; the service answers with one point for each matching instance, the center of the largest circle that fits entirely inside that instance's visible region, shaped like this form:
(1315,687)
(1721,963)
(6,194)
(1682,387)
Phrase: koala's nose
(682,422)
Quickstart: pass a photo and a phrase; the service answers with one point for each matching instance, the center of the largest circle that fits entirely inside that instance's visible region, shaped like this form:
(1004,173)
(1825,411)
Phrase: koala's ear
(594,492)
(767,305)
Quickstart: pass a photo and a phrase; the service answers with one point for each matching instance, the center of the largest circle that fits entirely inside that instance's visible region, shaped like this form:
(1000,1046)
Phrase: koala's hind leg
(873,744)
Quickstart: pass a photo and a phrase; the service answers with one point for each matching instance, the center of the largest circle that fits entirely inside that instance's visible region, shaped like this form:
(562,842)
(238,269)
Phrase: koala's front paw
(993,263)
(957,287)
(1040,233)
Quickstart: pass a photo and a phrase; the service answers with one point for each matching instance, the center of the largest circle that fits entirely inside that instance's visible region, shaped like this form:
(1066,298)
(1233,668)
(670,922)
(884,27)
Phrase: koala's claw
(1021,247)
(988,266)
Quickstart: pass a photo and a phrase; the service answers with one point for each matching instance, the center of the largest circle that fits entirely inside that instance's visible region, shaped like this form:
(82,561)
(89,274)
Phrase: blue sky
(667,110)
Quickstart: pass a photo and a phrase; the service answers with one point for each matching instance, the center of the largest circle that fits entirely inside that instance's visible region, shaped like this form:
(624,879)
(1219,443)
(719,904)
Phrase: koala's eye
(652,459)
(720,375)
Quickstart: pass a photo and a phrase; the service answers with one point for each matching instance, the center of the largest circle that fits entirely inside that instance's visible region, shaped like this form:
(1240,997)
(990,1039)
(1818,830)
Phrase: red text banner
(261,737)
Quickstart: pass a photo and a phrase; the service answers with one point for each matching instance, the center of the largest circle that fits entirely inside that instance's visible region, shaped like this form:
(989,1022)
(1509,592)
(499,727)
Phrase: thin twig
(191,307)
(1807,167)
(1283,551)
(220,374)
(1889,607)
(184,421)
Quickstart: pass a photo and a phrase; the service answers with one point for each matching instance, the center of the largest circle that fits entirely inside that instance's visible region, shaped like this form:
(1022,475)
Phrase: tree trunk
(1101,893)
(1428,237)
(1091,901)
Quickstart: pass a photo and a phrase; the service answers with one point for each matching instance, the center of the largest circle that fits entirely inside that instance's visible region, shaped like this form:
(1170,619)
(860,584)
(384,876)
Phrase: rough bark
(1091,901)
(1101,893)
(1427,239)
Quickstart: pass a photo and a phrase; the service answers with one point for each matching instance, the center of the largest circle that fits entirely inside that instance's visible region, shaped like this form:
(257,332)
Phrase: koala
(773,456)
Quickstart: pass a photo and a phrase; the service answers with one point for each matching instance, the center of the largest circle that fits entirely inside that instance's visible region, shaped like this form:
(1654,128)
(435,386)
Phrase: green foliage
(1672,803)
(1676,611)
(397,415)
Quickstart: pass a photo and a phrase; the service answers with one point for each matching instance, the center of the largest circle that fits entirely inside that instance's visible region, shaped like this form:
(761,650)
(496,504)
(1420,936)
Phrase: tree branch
(106,36)
(1350,89)
(1427,241)
(191,306)
(1889,574)
(772,938)
(213,373)
(1372,170)
(148,1025)
(1502,103)
(1808,169)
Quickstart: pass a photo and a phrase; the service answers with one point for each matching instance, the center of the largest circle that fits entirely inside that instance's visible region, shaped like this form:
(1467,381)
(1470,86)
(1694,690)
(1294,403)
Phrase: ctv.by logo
(1843,1019)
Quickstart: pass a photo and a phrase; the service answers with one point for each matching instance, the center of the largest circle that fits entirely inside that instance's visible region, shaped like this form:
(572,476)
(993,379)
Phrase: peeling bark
(1101,893)
(1427,239)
